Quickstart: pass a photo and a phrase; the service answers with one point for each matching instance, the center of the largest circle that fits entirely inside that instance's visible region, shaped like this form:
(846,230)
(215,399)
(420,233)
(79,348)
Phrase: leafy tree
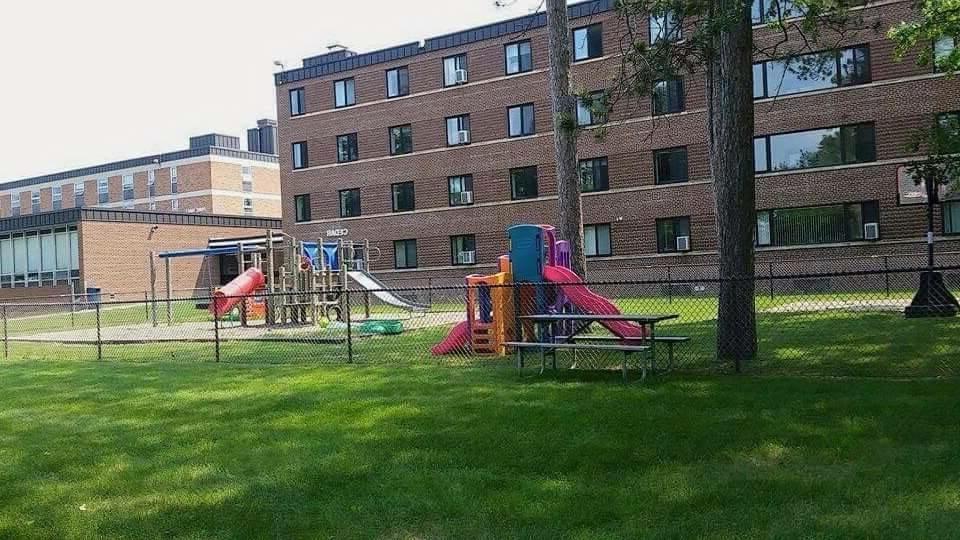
(666,39)
(932,36)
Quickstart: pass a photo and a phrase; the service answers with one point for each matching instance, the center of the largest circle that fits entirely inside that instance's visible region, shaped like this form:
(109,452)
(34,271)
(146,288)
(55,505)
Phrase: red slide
(591,302)
(232,293)
(456,340)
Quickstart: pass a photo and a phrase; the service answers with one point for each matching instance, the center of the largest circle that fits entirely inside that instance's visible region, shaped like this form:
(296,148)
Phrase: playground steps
(482,340)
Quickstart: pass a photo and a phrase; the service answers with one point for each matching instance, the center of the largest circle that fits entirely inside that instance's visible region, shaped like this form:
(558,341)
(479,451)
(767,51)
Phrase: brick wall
(116,256)
(191,177)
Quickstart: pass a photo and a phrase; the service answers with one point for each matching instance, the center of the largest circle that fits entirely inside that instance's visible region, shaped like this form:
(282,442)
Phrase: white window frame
(174,180)
(127,183)
(35,201)
(103,190)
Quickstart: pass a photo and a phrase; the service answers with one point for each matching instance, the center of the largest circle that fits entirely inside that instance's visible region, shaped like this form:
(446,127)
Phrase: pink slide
(591,302)
(456,340)
(232,293)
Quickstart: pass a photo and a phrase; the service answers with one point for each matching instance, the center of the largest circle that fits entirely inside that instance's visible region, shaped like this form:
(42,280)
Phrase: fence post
(366,304)
(886,274)
(349,330)
(146,306)
(216,336)
(73,309)
(429,291)
(99,339)
(771,280)
(669,286)
(6,343)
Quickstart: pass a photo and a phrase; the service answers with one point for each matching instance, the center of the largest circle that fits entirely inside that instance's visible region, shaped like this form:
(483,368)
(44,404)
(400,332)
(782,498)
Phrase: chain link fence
(814,323)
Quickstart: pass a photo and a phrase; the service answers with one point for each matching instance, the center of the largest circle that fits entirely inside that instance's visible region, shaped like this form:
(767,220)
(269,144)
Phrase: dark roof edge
(456,39)
(140,162)
(75,215)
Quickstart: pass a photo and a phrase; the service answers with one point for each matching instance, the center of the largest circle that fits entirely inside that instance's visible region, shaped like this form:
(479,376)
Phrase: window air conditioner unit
(460,76)
(467,257)
(683,243)
(871,231)
(463,137)
(466,197)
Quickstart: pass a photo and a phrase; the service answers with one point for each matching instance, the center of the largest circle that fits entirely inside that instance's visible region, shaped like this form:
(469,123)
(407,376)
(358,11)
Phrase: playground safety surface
(204,332)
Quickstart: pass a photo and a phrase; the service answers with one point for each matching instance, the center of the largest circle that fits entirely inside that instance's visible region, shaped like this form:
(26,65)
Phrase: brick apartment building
(432,150)
(212,176)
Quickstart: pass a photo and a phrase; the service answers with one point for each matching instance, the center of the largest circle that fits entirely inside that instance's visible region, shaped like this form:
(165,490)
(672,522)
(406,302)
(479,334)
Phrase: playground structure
(535,278)
(283,281)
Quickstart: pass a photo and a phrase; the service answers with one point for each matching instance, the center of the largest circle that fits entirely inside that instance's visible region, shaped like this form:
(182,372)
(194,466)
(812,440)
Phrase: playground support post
(99,337)
(349,329)
(271,284)
(166,271)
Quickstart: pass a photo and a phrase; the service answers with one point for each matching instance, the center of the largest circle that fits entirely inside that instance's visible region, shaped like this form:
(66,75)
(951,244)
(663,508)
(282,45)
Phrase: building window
(152,205)
(665,27)
(344,93)
(668,96)
(458,130)
(297,103)
(127,187)
(819,224)
(594,175)
(460,189)
(57,196)
(34,202)
(520,120)
(151,183)
(246,178)
(673,235)
(596,240)
(523,183)
(174,204)
(942,49)
(398,82)
(248,207)
(815,148)
(670,165)
(950,122)
(810,72)
(347,148)
(951,217)
(774,10)
(300,158)
(592,110)
(463,249)
(455,70)
(404,254)
(174,181)
(103,191)
(404,198)
(78,193)
(349,203)
(401,140)
(15,204)
(301,206)
(588,42)
(519,58)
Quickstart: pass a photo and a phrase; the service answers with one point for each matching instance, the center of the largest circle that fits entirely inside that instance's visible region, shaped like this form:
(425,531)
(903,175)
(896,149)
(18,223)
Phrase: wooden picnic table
(550,335)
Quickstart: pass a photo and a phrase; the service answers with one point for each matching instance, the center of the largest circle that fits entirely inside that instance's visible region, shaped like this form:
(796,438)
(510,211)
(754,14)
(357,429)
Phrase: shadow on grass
(195,450)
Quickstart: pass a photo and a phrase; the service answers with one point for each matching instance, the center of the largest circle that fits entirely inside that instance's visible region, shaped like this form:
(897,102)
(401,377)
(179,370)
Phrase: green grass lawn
(175,450)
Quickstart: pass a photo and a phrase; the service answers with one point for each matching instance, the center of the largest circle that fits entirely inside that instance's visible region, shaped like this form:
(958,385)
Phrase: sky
(92,81)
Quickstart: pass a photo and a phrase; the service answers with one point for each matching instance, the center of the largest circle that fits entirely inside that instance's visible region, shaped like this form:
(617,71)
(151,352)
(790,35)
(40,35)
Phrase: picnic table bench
(548,340)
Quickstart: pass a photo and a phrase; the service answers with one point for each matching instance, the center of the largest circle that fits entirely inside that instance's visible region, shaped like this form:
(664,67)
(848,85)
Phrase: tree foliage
(932,37)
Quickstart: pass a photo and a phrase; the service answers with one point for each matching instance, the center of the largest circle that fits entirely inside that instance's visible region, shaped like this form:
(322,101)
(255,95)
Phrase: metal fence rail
(838,323)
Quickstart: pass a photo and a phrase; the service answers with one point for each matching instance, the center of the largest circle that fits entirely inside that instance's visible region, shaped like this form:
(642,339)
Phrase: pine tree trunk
(564,109)
(730,103)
